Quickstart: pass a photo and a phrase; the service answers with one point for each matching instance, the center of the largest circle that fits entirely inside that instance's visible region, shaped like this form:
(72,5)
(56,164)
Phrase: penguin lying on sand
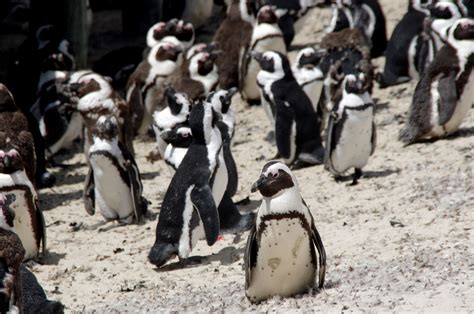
(351,135)
(29,222)
(296,124)
(189,208)
(113,182)
(445,92)
(284,252)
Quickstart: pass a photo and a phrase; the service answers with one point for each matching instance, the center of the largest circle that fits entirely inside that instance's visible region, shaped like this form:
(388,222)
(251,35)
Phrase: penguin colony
(319,107)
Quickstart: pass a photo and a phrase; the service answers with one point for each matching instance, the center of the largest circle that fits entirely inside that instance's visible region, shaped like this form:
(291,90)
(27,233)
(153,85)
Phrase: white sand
(424,266)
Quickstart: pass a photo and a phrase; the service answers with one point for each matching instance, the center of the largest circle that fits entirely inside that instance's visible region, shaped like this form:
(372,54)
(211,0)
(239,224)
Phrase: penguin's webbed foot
(45,180)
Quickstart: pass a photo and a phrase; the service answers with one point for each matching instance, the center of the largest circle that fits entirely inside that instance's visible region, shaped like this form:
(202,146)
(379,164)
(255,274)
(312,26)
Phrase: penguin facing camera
(284,253)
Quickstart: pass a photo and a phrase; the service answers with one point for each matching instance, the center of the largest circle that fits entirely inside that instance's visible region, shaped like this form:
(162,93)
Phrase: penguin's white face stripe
(265,77)
(184,131)
(439,26)
(274,169)
(165,120)
(464,48)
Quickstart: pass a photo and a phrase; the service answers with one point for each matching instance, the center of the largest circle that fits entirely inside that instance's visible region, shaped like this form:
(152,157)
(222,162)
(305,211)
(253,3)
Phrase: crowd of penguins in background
(181,92)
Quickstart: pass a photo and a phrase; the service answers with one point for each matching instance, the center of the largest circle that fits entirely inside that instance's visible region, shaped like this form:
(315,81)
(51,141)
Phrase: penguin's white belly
(354,146)
(462,107)
(220,181)
(113,196)
(267,107)
(162,145)
(174,156)
(250,88)
(314,90)
(284,265)
(412,72)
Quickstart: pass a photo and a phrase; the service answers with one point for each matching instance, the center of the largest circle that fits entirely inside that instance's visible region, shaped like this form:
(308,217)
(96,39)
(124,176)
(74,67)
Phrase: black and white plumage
(351,134)
(113,183)
(400,56)
(364,15)
(176,32)
(189,208)
(445,92)
(296,125)
(178,140)
(284,253)
(266,35)
(29,222)
(145,87)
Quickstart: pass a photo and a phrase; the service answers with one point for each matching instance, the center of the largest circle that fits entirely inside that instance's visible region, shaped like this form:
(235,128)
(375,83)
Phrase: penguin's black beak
(258,56)
(167,136)
(231,92)
(256,186)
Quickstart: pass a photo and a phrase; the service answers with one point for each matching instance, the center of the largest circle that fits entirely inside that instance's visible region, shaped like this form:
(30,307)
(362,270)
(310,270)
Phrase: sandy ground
(401,240)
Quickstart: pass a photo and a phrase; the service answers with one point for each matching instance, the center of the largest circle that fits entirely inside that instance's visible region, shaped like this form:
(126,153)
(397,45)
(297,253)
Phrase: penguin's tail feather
(160,253)
(408,135)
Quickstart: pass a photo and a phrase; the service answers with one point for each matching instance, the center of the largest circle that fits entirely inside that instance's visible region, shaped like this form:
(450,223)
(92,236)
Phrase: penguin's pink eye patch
(160,26)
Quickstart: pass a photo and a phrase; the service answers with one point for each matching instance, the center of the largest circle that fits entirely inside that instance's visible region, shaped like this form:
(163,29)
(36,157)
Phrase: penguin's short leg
(356,176)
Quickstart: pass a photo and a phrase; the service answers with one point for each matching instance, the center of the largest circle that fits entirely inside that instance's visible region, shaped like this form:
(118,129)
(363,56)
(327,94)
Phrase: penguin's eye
(185,134)
(275,174)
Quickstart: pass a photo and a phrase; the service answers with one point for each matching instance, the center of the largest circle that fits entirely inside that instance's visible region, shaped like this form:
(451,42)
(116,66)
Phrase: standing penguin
(11,257)
(145,86)
(113,182)
(400,53)
(29,221)
(280,257)
(232,36)
(178,140)
(297,128)
(189,208)
(445,92)
(364,15)
(351,136)
(310,77)
(266,36)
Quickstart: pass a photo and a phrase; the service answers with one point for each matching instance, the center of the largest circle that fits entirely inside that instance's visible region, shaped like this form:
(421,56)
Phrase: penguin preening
(284,252)
(174,31)
(296,125)
(401,49)
(351,134)
(113,182)
(364,15)
(266,35)
(445,92)
(29,222)
(145,86)
(189,208)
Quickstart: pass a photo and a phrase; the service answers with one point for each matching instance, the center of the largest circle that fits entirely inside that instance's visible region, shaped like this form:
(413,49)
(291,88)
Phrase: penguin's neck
(285,201)
(208,81)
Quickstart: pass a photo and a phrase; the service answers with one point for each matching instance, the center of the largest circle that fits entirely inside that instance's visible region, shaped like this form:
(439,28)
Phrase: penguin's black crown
(107,127)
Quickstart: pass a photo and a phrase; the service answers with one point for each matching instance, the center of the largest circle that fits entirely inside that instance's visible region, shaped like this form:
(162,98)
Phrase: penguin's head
(167,51)
(221,99)
(272,62)
(10,161)
(106,127)
(203,63)
(463,30)
(86,85)
(7,215)
(184,31)
(202,120)
(7,103)
(178,136)
(308,57)
(266,15)
(420,5)
(354,83)
(275,178)
(179,103)
(442,15)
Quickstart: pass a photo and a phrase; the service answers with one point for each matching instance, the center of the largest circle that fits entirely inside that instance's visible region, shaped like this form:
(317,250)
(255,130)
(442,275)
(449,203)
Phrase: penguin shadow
(296,47)
(51,258)
(380,174)
(48,201)
(70,179)
(225,256)
(380,105)
(461,133)
(247,205)
(149,175)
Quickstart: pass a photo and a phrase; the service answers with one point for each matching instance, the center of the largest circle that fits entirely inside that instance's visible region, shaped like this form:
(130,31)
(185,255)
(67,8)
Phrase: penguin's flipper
(329,143)
(250,256)
(89,194)
(318,243)
(244,63)
(283,135)
(448,97)
(373,140)
(42,228)
(135,190)
(202,199)
(137,108)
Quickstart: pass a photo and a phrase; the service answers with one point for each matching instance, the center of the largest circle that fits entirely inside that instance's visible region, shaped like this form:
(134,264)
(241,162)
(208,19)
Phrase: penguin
(144,91)
(113,182)
(175,31)
(297,128)
(176,111)
(95,97)
(29,222)
(14,132)
(310,77)
(351,135)
(442,15)
(445,92)
(284,252)
(198,75)
(241,17)
(364,15)
(178,140)
(189,208)
(266,35)
(11,256)
(401,49)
